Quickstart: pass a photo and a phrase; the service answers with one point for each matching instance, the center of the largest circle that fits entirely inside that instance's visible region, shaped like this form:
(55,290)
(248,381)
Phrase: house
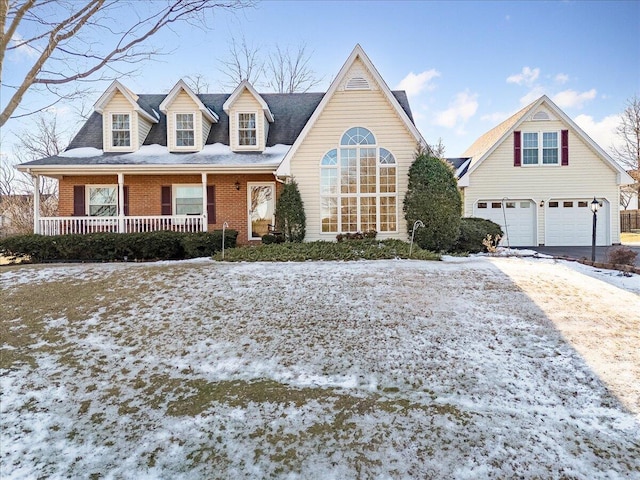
(196,162)
(536,175)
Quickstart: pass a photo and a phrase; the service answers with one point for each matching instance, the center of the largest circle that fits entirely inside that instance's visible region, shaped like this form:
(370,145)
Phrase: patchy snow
(467,368)
(83,152)
(216,149)
(150,150)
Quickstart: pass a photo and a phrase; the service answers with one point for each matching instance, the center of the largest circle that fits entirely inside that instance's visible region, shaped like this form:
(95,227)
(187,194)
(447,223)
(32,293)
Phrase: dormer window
(247,135)
(120,130)
(185,133)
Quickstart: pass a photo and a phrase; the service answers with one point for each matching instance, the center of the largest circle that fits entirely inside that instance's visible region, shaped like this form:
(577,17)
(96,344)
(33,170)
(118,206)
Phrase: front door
(261,201)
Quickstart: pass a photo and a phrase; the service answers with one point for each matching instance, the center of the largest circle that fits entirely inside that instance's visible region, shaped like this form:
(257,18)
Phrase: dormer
(188,119)
(249,119)
(125,124)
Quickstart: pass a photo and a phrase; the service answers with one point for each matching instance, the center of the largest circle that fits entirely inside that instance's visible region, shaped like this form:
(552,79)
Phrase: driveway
(582,252)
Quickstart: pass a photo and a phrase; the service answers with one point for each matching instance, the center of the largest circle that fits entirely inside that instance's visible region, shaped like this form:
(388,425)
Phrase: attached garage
(516,217)
(570,222)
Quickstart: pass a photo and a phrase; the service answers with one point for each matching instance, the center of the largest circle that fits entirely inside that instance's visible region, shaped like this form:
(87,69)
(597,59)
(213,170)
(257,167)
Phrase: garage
(520,218)
(570,222)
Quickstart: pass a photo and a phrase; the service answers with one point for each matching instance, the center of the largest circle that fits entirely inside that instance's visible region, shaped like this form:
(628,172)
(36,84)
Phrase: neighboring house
(536,175)
(194,162)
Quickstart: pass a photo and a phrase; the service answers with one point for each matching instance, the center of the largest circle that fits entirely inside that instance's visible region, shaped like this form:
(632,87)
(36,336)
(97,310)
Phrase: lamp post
(594,208)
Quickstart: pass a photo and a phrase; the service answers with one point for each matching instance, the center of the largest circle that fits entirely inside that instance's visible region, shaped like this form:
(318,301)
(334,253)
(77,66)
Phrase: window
(525,204)
(553,204)
(103,201)
(185,133)
(187,200)
(482,204)
(496,204)
(511,204)
(533,150)
(120,130)
(358,189)
(582,204)
(567,204)
(247,129)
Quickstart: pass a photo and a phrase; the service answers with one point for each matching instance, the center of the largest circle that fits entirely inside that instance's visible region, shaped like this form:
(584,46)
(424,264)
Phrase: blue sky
(465,65)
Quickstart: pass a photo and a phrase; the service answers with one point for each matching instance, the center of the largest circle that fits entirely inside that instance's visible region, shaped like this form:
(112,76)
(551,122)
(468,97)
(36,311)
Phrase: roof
(480,150)
(398,101)
(291,111)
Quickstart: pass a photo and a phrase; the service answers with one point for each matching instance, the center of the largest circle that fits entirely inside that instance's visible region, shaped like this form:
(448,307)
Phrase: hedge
(108,247)
(472,232)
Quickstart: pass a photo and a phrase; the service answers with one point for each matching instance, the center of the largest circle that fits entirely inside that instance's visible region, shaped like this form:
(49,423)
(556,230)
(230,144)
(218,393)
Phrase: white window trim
(378,195)
(187,148)
(258,184)
(174,193)
(87,198)
(114,148)
(541,149)
(237,139)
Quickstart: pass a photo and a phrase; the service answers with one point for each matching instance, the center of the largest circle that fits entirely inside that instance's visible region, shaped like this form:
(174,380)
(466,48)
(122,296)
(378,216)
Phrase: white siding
(144,126)
(118,104)
(183,103)
(247,103)
(346,109)
(586,176)
(206,128)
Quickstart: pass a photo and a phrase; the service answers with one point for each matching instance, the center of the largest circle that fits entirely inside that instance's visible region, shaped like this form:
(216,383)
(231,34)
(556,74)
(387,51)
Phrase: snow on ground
(467,368)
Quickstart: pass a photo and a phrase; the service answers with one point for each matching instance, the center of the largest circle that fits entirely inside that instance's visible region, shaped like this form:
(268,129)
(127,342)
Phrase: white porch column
(121,203)
(204,202)
(36,204)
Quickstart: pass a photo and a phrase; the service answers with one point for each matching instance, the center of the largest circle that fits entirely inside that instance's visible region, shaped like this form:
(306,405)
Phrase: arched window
(358,185)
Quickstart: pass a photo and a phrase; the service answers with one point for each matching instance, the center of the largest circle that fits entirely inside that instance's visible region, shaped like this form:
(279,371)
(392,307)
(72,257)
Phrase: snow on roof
(214,154)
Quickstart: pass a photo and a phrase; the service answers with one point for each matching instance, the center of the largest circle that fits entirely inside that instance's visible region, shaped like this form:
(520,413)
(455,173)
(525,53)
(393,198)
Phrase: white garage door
(520,220)
(570,222)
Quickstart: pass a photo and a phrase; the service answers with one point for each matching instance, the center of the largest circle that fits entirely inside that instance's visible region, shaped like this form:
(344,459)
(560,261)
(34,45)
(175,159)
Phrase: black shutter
(517,150)
(211,204)
(126,200)
(165,200)
(565,147)
(79,209)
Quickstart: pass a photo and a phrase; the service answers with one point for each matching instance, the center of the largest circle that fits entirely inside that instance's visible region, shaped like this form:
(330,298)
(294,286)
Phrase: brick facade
(145,195)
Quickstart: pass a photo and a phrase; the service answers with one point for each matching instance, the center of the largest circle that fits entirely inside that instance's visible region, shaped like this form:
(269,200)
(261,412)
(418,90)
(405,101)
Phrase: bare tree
(242,62)
(290,73)
(43,139)
(74,41)
(628,154)
(285,71)
(437,150)
(198,83)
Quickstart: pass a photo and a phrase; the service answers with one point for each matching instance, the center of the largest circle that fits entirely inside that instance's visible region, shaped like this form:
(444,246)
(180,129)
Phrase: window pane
(367,214)
(247,137)
(329,214)
(247,120)
(348,170)
(358,136)
(184,121)
(121,139)
(367,170)
(388,180)
(530,157)
(188,200)
(550,156)
(331,158)
(349,214)
(103,201)
(388,214)
(386,158)
(185,135)
(247,133)
(530,140)
(550,140)
(121,121)
(120,134)
(185,138)
(329,182)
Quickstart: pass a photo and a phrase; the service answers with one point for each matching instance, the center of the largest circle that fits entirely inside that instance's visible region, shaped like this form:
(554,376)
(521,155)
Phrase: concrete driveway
(583,252)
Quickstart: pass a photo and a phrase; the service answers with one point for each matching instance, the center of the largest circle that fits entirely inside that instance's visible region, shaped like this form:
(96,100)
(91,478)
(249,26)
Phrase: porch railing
(134,224)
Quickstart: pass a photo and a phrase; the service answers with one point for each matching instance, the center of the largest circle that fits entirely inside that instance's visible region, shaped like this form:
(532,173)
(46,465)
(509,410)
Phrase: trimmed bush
(269,239)
(433,198)
(290,217)
(473,231)
(368,235)
(105,247)
(351,250)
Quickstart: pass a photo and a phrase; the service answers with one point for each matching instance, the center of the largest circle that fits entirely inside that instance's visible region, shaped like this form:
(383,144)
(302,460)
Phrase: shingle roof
(290,110)
(489,139)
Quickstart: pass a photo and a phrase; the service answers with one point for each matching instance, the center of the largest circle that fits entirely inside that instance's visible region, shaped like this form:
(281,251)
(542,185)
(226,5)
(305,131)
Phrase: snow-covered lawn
(465,368)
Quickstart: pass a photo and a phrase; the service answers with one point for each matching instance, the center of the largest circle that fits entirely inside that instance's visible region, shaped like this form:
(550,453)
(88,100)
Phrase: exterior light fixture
(594,208)
(542,203)
(237,184)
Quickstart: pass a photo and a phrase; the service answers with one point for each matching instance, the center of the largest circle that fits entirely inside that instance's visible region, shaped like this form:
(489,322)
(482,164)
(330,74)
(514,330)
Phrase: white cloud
(573,99)
(526,77)
(602,132)
(461,109)
(413,84)
(561,78)
(534,94)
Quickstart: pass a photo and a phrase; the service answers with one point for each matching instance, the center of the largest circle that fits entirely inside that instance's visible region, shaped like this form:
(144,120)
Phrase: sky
(466,66)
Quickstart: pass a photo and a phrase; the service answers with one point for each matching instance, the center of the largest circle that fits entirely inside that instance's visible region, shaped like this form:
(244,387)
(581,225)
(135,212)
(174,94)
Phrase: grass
(630,237)
(211,370)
